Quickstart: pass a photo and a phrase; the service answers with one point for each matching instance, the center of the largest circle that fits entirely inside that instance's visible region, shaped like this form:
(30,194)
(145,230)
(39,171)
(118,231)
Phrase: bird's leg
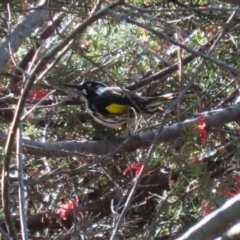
(134,126)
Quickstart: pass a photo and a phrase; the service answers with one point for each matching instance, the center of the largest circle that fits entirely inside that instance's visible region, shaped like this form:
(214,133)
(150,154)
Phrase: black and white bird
(116,107)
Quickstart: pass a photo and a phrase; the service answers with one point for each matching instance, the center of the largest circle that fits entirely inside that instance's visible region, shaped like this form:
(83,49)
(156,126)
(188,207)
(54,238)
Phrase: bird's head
(88,88)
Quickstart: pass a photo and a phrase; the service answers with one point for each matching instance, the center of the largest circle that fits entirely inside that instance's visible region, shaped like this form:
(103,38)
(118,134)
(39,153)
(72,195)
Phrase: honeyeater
(116,107)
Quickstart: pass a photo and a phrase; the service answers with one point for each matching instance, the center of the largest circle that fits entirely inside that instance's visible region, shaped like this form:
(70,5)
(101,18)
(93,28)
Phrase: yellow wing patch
(115,108)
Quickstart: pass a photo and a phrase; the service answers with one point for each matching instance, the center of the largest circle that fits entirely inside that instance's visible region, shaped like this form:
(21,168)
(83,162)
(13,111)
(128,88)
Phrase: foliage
(145,46)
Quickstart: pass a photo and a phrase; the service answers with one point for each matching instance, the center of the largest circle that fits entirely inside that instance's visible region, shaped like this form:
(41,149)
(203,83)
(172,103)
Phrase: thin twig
(154,144)
(36,105)
(174,42)
(4,234)
(5,172)
(19,154)
(28,85)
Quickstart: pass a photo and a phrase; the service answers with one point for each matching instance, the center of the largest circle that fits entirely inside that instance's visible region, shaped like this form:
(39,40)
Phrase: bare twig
(154,144)
(174,42)
(19,152)
(36,105)
(28,85)
(82,148)
(4,234)
(22,31)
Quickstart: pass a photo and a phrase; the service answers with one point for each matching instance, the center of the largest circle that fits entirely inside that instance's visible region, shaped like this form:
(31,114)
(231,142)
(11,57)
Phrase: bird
(116,107)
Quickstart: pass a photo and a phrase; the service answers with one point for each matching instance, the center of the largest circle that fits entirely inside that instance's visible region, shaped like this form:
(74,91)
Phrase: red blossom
(37,94)
(145,42)
(235,179)
(136,167)
(202,129)
(65,209)
(230,192)
(206,207)
(131,67)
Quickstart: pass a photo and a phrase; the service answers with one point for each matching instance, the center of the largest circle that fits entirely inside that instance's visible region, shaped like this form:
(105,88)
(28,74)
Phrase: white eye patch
(89,84)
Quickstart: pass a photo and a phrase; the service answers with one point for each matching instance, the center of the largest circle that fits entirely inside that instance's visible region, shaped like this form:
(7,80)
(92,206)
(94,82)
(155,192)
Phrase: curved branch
(215,223)
(170,69)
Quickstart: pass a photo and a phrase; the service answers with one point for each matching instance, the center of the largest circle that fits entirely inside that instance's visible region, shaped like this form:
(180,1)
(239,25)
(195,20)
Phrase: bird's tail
(154,102)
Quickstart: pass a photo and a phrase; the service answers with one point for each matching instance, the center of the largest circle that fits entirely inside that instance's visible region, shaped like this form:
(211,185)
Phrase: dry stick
(7,213)
(83,148)
(210,50)
(22,30)
(188,49)
(154,144)
(19,154)
(174,42)
(180,53)
(36,105)
(22,213)
(4,234)
(168,70)
(149,155)
(161,202)
(11,137)
(7,158)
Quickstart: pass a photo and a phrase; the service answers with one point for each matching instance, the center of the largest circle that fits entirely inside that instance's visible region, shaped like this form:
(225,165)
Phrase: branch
(232,234)
(21,192)
(29,83)
(215,223)
(36,42)
(174,42)
(170,69)
(96,204)
(10,42)
(80,148)
(38,221)
(21,31)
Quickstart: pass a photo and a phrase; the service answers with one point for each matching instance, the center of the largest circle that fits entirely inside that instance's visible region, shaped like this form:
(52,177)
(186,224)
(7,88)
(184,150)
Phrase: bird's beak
(76,86)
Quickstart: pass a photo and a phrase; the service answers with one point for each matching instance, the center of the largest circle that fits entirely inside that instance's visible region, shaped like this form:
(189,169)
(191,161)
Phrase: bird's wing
(119,101)
(113,100)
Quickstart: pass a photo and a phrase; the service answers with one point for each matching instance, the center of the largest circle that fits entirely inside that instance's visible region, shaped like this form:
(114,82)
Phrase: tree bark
(22,31)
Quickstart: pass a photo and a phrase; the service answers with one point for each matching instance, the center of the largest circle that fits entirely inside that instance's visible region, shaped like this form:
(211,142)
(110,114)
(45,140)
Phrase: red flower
(65,209)
(136,167)
(131,67)
(205,207)
(37,94)
(230,192)
(202,129)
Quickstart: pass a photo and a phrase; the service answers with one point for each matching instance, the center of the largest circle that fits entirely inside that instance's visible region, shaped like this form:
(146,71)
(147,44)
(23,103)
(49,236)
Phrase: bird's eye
(89,84)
